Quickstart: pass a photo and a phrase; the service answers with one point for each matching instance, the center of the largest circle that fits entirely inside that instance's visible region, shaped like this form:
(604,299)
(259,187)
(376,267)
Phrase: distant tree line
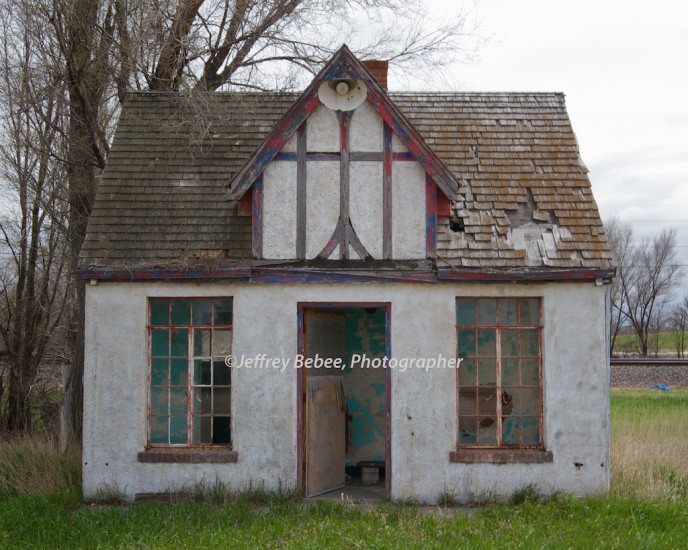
(643,302)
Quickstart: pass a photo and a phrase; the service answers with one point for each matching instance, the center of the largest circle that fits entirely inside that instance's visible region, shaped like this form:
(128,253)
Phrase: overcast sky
(623,65)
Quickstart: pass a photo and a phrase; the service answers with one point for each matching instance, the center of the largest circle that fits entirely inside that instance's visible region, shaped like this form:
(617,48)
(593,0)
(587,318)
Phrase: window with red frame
(190,384)
(499,379)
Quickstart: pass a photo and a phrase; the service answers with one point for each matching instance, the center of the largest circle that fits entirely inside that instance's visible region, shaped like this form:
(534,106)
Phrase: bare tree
(32,274)
(620,237)
(679,323)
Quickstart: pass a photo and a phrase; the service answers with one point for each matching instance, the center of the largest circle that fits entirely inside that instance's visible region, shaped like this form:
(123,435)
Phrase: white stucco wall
(322,204)
(366,205)
(576,389)
(408,210)
(279,210)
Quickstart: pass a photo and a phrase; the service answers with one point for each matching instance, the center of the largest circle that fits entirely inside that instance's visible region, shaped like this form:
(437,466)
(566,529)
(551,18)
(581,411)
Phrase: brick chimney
(379,70)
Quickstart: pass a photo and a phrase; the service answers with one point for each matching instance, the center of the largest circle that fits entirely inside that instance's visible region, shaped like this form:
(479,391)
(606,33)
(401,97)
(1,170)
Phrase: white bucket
(370,475)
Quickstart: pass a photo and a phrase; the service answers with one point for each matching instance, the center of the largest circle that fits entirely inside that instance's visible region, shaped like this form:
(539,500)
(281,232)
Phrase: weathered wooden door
(324,337)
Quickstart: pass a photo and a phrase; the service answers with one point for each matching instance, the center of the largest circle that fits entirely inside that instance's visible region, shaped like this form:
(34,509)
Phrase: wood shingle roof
(525,198)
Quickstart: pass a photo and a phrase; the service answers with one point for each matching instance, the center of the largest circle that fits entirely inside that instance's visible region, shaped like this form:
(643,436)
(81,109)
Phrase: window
(499,378)
(190,384)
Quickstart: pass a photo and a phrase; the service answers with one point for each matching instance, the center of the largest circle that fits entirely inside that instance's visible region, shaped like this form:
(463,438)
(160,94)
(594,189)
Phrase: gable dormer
(344,175)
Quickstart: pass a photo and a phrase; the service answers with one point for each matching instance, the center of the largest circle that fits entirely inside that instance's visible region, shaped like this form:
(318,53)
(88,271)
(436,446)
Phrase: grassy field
(667,342)
(647,507)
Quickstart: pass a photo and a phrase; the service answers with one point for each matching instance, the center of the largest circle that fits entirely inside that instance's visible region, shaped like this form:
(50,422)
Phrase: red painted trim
(430,217)
(443,205)
(500,456)
(257,218)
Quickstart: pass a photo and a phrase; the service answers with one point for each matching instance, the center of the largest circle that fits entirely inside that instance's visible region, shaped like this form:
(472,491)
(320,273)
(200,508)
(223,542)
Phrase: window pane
(159,311)
(509,343)
(180,343)
(530,372)
(531,431)
(222,342)
(178,403)
(530,311)
(160,345)
(159,401)
(201,375)
(468,430)
(158,429)
(487,371)
(223,311)
(508,405)
(222,374)
(487,404)
(510,372)
(529,342)
(487,342)
(202,342)
(221,430)
(222,401)
(202,429)
(530,401)
(181,312)
(202,401)
(465,311)
(467,372)
(178,430)
(202,312)
(511,431)
(487,432)
(467,401)
(508,311)
(466,339)
(159,372)
(487,311)
(179,372)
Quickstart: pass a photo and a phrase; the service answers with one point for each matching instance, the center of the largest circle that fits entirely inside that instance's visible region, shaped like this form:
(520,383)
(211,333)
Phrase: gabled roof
(162,202)
(343,65)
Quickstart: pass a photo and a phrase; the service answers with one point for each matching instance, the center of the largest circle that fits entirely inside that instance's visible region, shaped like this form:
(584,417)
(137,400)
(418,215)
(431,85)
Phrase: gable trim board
(407,203)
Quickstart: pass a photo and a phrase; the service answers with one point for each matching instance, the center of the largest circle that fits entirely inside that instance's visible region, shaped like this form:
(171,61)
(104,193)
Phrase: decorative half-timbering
(330,322)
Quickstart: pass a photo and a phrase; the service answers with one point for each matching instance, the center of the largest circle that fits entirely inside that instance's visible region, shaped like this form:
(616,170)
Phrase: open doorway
(344,413)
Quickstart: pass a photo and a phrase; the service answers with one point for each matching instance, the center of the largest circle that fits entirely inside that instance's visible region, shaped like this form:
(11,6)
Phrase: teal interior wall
(365,387)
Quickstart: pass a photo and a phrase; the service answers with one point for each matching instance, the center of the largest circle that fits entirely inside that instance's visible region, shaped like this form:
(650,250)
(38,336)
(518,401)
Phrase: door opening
(344,409)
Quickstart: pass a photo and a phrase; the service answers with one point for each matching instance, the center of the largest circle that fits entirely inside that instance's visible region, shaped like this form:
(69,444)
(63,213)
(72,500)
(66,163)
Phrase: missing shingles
(456,224)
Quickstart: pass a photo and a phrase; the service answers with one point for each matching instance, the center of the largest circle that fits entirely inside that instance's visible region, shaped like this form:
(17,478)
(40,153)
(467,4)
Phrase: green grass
(62,522)
(647,507)
(667,342)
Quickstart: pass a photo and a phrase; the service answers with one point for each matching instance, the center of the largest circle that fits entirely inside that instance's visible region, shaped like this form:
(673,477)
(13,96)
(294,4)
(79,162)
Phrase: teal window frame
(499,390)
(189,380)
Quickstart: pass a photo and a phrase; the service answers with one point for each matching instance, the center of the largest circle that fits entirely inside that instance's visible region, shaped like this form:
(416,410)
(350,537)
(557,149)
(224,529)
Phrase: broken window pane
(487,431)
(159,311)
(487,311)
(222,374)
(468,430)
(181,312)
(223,311)
(222,342)
(202,376)
(202,401)
(467,401)
(203,430)
(487,402)
(465,311)
(221,430)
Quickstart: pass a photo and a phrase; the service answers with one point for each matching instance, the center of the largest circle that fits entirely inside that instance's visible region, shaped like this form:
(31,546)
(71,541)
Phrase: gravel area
(644,376)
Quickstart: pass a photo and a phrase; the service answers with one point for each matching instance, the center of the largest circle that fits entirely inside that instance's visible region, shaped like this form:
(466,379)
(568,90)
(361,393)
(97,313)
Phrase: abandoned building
(280,287)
